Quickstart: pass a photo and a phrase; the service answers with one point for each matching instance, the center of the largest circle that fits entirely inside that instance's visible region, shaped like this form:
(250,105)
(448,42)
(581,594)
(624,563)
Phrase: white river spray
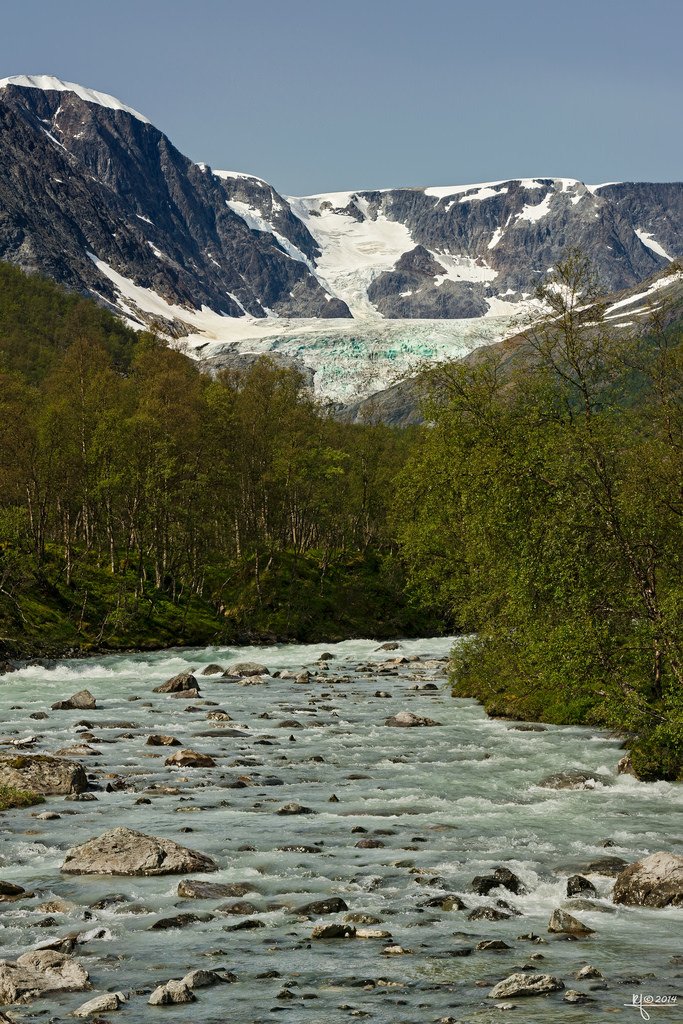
(451,802)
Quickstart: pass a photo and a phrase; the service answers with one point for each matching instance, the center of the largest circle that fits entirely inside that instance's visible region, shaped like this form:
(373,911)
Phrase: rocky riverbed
(334,839)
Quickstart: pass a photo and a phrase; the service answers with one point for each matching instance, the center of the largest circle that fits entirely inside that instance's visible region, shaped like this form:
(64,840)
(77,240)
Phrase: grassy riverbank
(294,598)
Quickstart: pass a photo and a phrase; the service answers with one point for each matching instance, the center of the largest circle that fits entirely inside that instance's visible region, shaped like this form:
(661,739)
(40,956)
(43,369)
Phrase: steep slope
(88,184)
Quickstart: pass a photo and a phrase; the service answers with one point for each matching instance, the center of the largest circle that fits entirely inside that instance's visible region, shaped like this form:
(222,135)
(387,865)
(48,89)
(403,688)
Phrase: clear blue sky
(317,96)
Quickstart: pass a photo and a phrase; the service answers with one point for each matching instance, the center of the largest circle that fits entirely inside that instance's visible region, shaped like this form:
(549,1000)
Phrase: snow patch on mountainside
(355,249)
(255,220)
(227,175)
(50,84)
(662,282)
(535,211)
(647,239)
(463,268)
(481,190)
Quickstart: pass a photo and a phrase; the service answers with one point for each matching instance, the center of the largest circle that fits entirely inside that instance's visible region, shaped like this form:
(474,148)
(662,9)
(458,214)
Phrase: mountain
(89,189)
(357,288)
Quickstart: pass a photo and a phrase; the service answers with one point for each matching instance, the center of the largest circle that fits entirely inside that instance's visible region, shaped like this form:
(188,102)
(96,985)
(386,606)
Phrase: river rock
(122,851)
(333,931)
(41,773)
(183,681)
(446,902)
(100,1004)
(10,892)
(572,996)
(318,908)
(76,750)
(161,740)
(190,759)
(501,877)
(204,979)
(655,881)
(191,889)
(587,973)
(578,885)
(488,914)
(213,670)
(294,808)
(563,923)
(241,908)
(39,972)
(575,778)
(625,765)
(245,669)
(407,720)
(173,993)
(81,701)
(520,984)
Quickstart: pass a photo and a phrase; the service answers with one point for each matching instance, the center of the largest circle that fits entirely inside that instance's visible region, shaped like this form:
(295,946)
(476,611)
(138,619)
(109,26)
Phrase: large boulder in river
(655,881)
(101,1004)
(190,759)
(122,851)
(81,701)
(407,720)
(562,923)
(245,669)
(520,984)
(183,681)
(333,931)
(41,773)
(173,993)
(37,973)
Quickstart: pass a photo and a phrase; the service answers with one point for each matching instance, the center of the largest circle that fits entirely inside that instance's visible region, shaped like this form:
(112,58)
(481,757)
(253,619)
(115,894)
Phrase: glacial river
(445,804)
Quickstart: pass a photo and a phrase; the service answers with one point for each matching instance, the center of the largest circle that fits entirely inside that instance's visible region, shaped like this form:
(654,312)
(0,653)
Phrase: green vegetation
(145,504)
(11,797)
(544,511)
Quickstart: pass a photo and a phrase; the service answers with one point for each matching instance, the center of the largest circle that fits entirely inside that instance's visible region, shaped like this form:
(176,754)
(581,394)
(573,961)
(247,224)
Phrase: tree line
(544,509)
(116,452)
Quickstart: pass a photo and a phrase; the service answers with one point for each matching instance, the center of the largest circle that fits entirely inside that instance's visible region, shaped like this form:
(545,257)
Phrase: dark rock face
(414,289)
(79,178)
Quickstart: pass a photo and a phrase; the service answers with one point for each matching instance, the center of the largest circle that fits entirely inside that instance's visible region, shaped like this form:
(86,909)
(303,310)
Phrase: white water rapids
(447,802)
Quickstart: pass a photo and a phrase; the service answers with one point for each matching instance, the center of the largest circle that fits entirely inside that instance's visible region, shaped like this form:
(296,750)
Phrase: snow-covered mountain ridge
(357,287)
